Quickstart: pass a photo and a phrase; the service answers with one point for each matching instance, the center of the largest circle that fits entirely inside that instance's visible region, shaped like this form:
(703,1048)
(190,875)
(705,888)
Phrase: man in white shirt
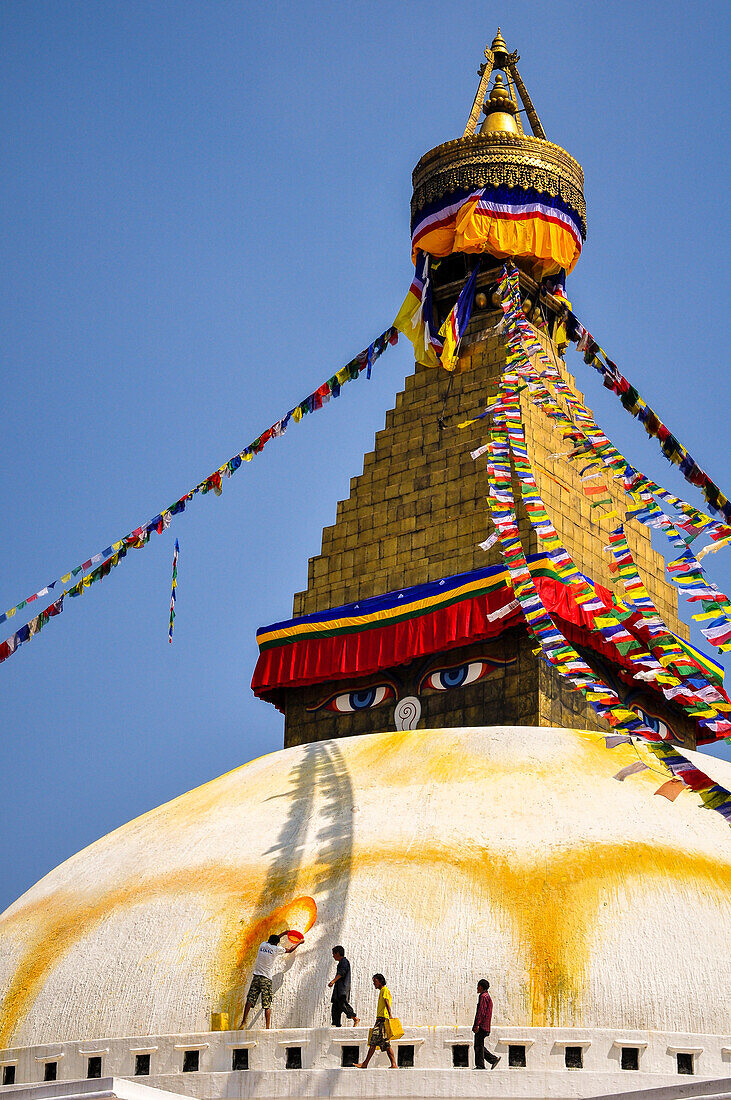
(261,982)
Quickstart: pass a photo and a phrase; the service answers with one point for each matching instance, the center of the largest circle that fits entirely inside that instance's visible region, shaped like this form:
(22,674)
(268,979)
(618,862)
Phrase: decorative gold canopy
(500,153)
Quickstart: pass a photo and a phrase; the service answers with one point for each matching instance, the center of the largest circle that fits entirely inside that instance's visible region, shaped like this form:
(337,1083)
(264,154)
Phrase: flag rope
(110,557)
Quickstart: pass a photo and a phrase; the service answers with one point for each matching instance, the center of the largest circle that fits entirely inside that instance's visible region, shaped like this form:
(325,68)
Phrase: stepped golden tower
(417,513)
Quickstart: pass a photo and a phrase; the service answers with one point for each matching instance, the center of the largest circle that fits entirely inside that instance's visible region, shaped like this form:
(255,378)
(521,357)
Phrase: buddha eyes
(365,699)
(654,723)
(439,679)
(444,679)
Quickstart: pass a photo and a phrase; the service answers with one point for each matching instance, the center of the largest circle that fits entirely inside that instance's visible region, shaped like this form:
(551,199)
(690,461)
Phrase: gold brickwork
(417,513)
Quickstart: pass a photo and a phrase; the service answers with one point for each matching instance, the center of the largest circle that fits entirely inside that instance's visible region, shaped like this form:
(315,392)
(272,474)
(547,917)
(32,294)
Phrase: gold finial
(499,110)
(500,50)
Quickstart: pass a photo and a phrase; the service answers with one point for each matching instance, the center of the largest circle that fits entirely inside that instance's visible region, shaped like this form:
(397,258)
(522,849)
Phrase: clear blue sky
(205,214)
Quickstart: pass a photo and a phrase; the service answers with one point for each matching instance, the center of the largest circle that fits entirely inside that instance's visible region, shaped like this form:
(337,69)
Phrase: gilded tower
(417,513)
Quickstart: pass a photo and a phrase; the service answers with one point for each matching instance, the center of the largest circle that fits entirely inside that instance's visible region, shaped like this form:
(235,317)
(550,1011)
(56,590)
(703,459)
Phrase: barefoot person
(340,986)
(261,982)
(482,1025)
(378,1037)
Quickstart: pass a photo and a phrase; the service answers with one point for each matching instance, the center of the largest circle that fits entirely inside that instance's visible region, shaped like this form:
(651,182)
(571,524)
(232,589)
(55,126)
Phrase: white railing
(536,1049)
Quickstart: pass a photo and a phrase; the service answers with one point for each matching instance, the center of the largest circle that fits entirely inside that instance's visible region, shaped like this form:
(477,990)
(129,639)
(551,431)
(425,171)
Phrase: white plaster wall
(434,856)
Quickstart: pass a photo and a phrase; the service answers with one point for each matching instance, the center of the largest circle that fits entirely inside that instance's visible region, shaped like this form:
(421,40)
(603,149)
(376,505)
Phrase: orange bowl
(294,936)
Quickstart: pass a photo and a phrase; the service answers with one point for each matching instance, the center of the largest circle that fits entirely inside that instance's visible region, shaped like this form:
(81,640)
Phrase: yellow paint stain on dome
(446,762)
(551,906)
(300,914)
(549,895)
(58,923)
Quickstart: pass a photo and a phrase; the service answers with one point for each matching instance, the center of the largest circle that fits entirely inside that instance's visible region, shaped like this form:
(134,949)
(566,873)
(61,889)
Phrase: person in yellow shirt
(378,1037)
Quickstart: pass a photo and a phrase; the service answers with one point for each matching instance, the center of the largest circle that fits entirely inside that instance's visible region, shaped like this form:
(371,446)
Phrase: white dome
(434,856)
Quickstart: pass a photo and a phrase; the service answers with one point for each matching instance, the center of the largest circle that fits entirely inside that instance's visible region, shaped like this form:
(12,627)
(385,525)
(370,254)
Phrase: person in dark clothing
(340,986)
(481,1026)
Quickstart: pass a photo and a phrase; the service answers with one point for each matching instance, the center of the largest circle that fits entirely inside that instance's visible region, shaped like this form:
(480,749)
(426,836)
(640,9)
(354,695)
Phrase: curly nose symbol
(407,713)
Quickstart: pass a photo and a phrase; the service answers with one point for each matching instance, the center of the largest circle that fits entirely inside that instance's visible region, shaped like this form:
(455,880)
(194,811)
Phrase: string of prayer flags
(36,624)
(553,644)
(101,564)
(684,775)
(688,576)
(580,428)
(557,651)
(174,591)
(591,438)
(712,795)
(693,698)
(631,400)
(671,654)
(508,440)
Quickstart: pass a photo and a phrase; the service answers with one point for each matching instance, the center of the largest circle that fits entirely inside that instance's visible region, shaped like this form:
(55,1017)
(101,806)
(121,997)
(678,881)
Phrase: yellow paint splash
(551,900)
(551,905)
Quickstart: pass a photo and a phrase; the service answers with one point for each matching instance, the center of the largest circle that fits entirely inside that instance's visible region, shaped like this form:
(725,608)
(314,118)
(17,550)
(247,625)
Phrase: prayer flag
(671,789)
(457,320)
(414,318)
(173,594)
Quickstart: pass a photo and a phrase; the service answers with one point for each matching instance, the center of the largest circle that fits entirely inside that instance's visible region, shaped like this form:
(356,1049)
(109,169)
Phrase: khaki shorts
(260,986)
(377,1036)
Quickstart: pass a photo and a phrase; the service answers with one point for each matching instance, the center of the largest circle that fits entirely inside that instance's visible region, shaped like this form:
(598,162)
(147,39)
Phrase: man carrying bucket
(261,982)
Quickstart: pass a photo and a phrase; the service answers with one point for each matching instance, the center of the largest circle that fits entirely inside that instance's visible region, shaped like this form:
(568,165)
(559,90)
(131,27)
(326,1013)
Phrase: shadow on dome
(319,779)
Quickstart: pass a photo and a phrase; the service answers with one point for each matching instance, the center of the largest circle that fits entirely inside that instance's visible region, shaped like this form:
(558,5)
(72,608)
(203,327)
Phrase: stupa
(445,805)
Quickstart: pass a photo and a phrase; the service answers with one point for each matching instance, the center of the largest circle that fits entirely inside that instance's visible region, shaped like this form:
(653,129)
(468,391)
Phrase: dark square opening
(685,1062)
(191,1061)
(460,1056)
(516,1055)
(630,1058)
(8,1075)
(574,1057)
(349,1056)
(405,1056)
(50,1070)
(142,1065)
(240,1058)
(94,1066)
(294,1057)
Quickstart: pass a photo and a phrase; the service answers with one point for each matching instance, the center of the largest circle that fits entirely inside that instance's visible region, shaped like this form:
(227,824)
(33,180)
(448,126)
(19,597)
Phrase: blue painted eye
(655,723)
(453,677)
(444,679)
(364,699)
(361,700)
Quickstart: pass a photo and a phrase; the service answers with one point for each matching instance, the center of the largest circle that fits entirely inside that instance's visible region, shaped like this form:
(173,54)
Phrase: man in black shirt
(340,986)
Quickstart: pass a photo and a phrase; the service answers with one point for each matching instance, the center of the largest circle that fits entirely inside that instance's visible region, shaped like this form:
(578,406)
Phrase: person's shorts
(377,1036)
(260,986)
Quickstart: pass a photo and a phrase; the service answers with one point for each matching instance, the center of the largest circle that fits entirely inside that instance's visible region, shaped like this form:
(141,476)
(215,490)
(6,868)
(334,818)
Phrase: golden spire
(499,50)
(500,110)
(498,58)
